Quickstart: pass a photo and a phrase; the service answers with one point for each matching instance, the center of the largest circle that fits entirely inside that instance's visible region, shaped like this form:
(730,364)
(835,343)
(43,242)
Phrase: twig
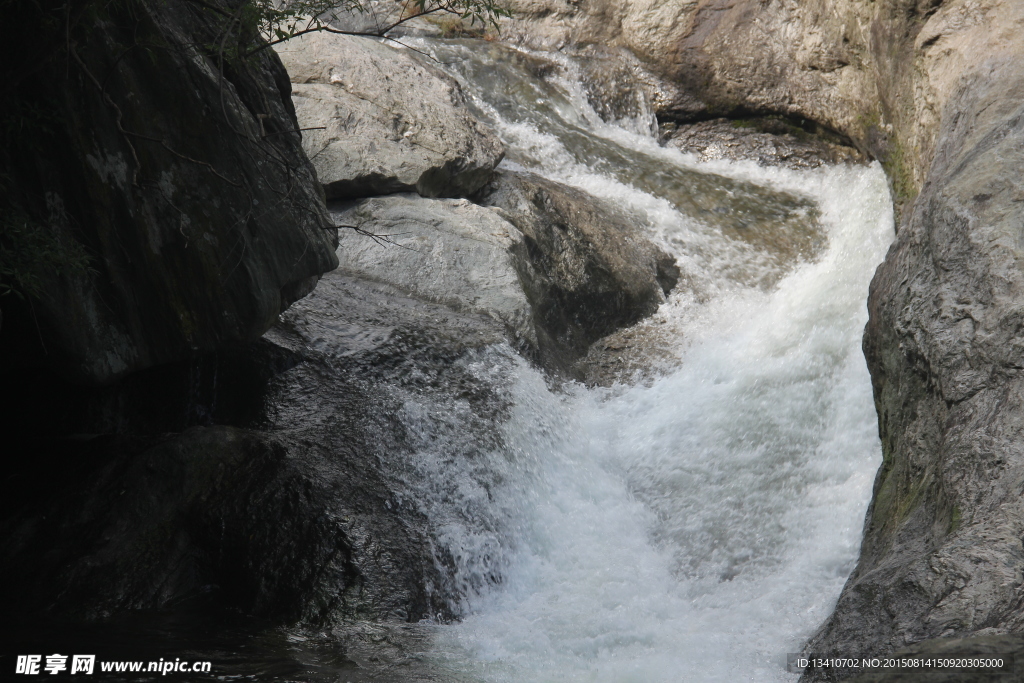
(379,239)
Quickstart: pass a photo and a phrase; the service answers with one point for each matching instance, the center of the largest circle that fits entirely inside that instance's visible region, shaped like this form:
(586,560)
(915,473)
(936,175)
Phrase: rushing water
(699,524)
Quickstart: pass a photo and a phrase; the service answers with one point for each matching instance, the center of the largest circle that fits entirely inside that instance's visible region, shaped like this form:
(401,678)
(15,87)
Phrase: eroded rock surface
(942,553)
(302,490)
(379,121)
(555,266)
(446,251)
(932,89)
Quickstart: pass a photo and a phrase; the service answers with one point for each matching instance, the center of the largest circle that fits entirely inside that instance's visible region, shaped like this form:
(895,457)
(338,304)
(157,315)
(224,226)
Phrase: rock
(555,266)
(177,198)
(769,142)
(287,528)
(446,251)
(585,265)
(942,553)
(1008,648)
(391,123)
(878,73)
(932,90)
(626,92)
(307,504)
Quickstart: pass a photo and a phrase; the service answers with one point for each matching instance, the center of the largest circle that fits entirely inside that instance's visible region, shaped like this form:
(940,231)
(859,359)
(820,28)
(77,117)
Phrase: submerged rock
(377,120)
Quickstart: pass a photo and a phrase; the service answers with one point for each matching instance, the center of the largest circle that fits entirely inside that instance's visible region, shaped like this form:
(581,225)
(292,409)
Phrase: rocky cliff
(139,240)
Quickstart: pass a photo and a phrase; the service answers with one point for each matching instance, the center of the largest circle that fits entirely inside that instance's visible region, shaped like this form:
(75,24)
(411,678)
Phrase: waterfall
(698,522)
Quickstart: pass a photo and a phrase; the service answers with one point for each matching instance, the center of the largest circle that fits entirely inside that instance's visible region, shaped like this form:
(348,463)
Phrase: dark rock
(183,187)
(352,420)
(586,266)
(1009,648)
(277,522)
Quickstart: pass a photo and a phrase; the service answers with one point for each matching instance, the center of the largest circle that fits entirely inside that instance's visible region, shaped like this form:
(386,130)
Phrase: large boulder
(162,206)
(556,266)
(586,266)
(378,120)
(444,251)
(285,527)
(311,479)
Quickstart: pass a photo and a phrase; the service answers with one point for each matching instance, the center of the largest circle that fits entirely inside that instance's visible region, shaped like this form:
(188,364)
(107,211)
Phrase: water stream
(697,524)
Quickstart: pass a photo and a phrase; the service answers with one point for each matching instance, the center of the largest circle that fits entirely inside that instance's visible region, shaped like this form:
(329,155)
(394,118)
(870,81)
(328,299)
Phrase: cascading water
(699,523)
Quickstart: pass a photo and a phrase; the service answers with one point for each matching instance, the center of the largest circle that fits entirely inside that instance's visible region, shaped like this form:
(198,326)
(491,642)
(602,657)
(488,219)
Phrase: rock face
(390,123)
(880,73)
(769,142)
(942,552)
(310,509)
(449,252)
(281,525)
(190,237)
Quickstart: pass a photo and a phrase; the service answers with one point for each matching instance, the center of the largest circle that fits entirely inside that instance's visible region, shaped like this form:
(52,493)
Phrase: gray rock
(184,187)
(391,123)
(932,90)
(1008,648)
(942,553)
(585,265)
(286,526)
(555,266)
(444,251)
(769,142)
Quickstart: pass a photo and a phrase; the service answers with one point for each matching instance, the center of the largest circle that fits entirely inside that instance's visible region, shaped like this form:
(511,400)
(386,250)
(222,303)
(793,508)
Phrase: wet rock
(626,92)
(585,265)
(284,526)
(378,120)
(932,90)
(147,172)
(1010,648)
(556,267)
(769,142)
